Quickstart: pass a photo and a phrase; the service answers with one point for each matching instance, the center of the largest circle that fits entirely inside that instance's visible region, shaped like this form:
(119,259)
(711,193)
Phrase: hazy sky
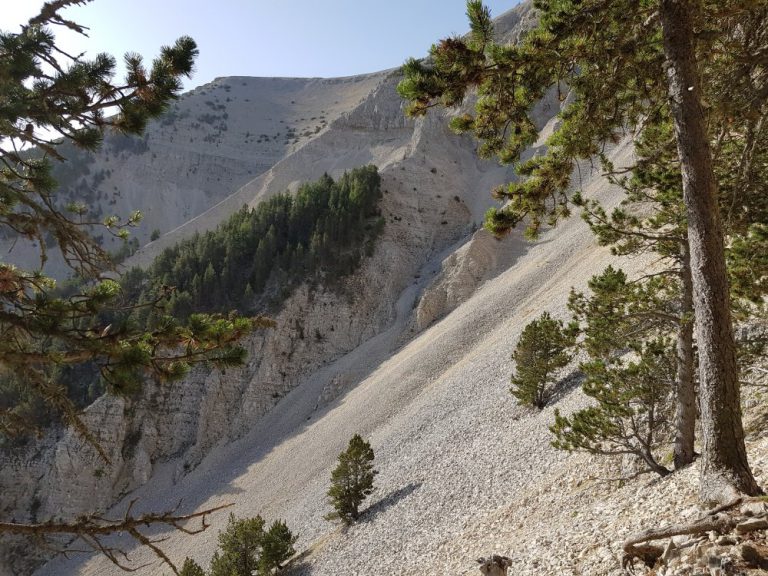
(264,37)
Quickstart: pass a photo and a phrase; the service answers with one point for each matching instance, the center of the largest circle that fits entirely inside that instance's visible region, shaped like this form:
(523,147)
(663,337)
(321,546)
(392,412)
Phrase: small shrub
(191,568)
(276,547)
(542,351)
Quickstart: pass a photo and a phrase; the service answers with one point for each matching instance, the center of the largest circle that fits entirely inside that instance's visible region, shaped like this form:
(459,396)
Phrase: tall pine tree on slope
(352,480)
(624,61)
(651,218)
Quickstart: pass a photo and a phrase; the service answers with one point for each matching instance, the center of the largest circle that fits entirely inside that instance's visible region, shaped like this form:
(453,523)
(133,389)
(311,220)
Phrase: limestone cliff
(433,187)
(435,192)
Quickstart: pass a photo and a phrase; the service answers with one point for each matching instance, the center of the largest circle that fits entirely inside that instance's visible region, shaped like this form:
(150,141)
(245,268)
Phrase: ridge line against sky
(284,38)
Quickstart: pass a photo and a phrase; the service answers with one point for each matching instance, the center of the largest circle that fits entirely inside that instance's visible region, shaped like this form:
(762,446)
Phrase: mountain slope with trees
(175,426)
(319,234)
(643,67)
(210,142)
(464,470)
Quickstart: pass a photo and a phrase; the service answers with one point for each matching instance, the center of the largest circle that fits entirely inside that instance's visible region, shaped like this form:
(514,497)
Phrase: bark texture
(685,410)
(724,469)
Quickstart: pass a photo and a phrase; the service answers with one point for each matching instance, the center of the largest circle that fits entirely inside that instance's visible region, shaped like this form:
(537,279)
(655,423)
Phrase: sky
(307,38)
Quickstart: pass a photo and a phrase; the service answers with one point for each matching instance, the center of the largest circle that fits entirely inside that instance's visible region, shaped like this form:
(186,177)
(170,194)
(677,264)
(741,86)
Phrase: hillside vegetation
(254,259)
(319,234)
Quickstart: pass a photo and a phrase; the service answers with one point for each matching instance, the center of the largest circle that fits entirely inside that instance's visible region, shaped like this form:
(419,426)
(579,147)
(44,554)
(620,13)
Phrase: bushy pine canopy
(247,547)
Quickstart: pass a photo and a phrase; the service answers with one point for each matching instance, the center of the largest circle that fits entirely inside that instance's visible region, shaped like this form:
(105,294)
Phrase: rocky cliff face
(434,191)
(291,130)
(461,274)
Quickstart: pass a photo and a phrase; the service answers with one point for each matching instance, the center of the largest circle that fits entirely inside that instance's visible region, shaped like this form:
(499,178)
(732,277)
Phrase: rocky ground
(456,455)
(564,516)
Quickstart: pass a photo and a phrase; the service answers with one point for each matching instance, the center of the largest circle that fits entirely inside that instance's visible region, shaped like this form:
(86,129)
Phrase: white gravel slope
(452,447)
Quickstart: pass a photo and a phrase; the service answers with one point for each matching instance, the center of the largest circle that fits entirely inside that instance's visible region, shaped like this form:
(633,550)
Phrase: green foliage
(352,480)
(19,406)
(322,233)
(619,312)
(651,217)
(239,547)
(543,350)
(191,568)
(614,73)
(38,107)
(50,101)
(632,409)
(631,370)
(748,265)
(246,548)
(276,547)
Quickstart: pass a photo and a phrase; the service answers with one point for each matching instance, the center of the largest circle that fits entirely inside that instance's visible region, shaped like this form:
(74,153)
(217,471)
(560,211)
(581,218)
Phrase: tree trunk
(685,410)
(724,468)
(652,464)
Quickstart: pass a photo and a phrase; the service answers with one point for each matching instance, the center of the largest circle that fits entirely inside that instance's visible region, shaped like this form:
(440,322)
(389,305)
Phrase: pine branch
(93,529)
(49,14)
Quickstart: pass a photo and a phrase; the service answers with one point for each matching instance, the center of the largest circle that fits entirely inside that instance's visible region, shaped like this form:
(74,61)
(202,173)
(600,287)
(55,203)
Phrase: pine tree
(208,285)
(725,471)
(191,568)
(542,351)
(631,411)
(49,101)
(40,329)
(625,63)
(352,480)
(277,547)
(239,547)
(652,218)
(630,372)
(246,548)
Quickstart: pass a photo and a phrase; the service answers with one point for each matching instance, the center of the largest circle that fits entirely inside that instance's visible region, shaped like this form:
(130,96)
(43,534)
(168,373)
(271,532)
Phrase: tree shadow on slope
(298,566)
(565,386)
(391,499)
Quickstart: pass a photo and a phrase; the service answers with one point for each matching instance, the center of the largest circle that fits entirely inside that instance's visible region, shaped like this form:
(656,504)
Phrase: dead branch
(92,530)
(637,547)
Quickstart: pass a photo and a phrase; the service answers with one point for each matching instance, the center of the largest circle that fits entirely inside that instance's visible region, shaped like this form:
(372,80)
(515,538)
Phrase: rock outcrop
(461,274)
